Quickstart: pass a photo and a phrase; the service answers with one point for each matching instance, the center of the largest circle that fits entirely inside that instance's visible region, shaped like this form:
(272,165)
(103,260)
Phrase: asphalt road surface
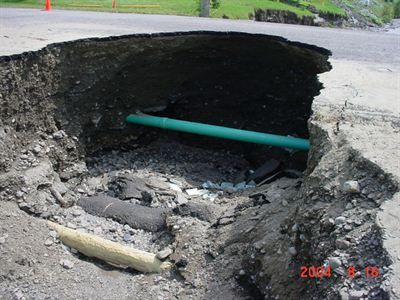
(31,29)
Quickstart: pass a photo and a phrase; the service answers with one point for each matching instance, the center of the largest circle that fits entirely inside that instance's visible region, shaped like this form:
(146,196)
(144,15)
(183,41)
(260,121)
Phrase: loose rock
(351,186)
(334,262)
(342,244)
(340,220)
(67,264)
(163,254)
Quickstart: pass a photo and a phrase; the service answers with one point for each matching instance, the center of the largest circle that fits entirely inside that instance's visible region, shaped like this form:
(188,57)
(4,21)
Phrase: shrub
(215,4)
(387,13)
(396,9)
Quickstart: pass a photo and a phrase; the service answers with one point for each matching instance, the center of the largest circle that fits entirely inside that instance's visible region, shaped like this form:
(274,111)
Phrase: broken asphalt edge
(358,109)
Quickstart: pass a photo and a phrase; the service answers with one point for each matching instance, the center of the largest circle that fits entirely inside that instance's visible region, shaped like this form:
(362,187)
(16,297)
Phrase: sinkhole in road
(65,108)
(242,81)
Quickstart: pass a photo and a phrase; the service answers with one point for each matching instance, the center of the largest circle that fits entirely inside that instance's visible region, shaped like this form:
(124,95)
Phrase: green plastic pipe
(221,132)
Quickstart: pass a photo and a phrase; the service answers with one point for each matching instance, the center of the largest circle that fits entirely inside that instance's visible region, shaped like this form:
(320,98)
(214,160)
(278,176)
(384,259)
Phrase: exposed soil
(63,138)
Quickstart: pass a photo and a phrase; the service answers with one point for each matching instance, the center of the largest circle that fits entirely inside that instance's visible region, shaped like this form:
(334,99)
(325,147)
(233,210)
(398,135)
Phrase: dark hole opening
(242,81)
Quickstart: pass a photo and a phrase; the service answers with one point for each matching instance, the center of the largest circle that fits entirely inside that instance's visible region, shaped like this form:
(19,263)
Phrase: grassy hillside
(234,9)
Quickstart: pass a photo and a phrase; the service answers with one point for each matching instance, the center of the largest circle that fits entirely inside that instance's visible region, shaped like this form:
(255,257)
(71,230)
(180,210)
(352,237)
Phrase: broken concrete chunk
(266,170)
(175,187)
(180,198)
(196,192)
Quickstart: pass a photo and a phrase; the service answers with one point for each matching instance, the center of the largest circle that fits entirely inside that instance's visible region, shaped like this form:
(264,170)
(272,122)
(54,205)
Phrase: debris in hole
(108,251)
(228,186)
(136,216)
(128,187)
(196,192)
(203,211)
(268,169)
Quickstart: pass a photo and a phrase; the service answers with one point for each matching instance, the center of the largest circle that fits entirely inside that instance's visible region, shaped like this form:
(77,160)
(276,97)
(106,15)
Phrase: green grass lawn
(234,9)
(240,9)
(324,6)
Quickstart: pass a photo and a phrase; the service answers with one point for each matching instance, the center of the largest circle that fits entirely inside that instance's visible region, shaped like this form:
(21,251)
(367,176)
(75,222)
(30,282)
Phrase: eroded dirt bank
(63,138)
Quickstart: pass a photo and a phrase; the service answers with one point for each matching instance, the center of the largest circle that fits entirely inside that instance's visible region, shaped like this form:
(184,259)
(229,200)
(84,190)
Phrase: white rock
(340,220)
(163,254)
(292,251)
(19,194)
(36,149)
(180,199)
(351,186)
(59,135)
(342,244)
(67,264)
(355,295)
(195,192)
(175,187)
(48,242)
(210,196)
(334,262)
(71,225)
(53,234)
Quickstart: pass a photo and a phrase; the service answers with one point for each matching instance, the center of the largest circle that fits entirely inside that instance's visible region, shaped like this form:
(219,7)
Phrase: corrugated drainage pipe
(221,132)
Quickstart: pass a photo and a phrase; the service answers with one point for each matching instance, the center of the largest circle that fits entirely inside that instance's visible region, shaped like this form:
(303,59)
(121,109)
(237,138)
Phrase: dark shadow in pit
(251,82)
